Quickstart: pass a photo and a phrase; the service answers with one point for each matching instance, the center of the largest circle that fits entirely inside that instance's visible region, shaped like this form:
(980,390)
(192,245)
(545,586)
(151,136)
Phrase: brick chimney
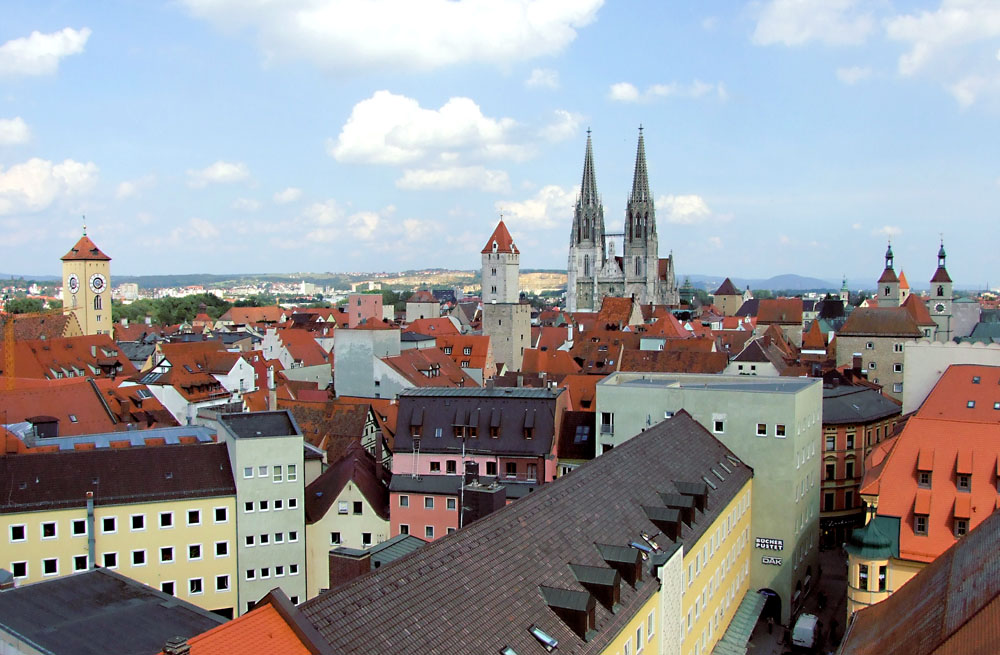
(347,564)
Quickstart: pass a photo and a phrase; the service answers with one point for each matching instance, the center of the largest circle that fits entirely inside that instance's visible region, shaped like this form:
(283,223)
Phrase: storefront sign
(771,560)
(769,544)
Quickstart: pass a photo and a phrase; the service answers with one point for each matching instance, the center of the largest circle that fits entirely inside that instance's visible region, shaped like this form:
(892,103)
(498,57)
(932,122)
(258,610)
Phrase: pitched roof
(880,322)
(331,426)
(888,275)
(422,295)
(918,310)
(433,326)
(582,391)
(303,347)
(89,355)
(246,315)
(97,612)
(950,607)
(501,237)
(618,312)
(784,311)
(903,282)
(673,361)
(85,249)
(479,355)
(727,288)
(551,362)
(814,338)
(941,275)
(116,476)
(414,604)
(28,327)
(429,367)
(355,466)
(856,404)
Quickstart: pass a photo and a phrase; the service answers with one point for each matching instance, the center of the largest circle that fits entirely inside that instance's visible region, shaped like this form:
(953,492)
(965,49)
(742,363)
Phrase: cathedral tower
(640,262)
(86,277)
(586,244)
(941,297)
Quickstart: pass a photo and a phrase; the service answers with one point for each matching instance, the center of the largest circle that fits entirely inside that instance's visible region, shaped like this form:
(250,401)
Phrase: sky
(240,136)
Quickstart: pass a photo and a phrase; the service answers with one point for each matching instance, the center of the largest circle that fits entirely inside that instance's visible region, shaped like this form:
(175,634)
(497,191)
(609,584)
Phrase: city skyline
(209,137)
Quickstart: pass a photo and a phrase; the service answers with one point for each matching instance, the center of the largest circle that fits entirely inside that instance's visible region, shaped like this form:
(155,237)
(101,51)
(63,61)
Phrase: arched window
(638,265)
(940,290)
(586,264)
(97,302)
(887,291)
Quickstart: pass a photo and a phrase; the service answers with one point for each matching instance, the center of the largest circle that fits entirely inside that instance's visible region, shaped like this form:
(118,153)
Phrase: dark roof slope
(439,599)
(880,322)
(952,606)
(727,288)
(98,612)
(850,404)
(356,466)
(44,481)
(260,424)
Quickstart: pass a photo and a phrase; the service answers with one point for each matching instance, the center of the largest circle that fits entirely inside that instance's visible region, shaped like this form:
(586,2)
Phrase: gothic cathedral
(595,268)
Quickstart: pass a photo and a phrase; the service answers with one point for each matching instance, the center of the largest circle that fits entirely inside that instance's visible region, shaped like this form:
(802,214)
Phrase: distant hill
(787,281)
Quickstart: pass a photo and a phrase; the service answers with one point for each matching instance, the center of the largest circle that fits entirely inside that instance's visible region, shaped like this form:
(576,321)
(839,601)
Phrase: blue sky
(318,135)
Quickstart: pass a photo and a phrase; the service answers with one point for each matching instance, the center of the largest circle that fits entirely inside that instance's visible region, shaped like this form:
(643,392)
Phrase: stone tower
(888,283)
(941,298)
(86,277)
(641,261)
(587,248)
(501,268)
(845,293)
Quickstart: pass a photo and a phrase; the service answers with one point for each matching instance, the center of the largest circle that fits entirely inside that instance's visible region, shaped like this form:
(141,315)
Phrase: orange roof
(618,312)
(903,283)
(433,327)
(551,338)
(472,348)
(960,385)
(918,310)
(551,362)
(209,356)
(582,391)
(668,326)
(814,338)
(85,249)
(502,239)
(429,367)
(303,347)
(780,310)
(244,315)
(422,296)
(261,630)
(91,355)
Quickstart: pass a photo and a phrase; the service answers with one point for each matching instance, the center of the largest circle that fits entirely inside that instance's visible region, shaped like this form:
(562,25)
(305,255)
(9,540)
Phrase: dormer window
(494,246)
(964,482)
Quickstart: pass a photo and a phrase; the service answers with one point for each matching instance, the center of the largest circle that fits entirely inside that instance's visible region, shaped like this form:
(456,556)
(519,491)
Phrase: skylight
(547,641)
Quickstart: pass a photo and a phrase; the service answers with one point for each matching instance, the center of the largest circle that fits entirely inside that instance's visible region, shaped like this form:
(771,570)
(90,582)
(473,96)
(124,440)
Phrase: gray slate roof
(480,589)
(99,612)
(848,404)
(260,424)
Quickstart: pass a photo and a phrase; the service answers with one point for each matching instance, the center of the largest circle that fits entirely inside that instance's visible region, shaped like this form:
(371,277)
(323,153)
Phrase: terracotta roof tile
(261,630)
(783,311)
(881,322)
(85,249)
(501,237)
(727,288)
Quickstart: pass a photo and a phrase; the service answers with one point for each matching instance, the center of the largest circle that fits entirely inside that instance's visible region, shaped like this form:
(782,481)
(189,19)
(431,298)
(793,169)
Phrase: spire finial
(84,225)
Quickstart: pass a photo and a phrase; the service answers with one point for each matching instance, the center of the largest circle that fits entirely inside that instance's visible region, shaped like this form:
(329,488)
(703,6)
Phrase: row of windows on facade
(277,474)
(830,443)
(466,431)
(963,481)
(266,538)
(451,503)
(263,505)
(959,526)
(718,617)
(896,347)
(265,572)
(428,530)
(722,533)
(366,539)
(510,469)
(642,637)
(863,582)
(110,560)
(109,524)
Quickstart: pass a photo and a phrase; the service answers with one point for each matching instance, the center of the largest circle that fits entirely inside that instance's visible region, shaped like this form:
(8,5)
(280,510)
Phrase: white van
(804,631)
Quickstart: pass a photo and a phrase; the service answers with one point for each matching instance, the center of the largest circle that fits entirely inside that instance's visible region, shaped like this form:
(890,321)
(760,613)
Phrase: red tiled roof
(675,361)
(941,275)
(551,338)
(881,322)
(303,347)
(903,282)
(28,327)
(918,310)
(786,311)
(429,367)
(814,338)
(504,242)
(246,315)
(888,275)
(357,466)
(261,630)
(554,363)
(433,327)
(422,296)
(616,311)
(480,352)
(71,356)
(727,288)
(582,391)
(85,249)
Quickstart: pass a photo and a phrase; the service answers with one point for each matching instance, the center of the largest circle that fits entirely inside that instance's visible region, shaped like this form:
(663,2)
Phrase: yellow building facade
(641,634)
(86,280)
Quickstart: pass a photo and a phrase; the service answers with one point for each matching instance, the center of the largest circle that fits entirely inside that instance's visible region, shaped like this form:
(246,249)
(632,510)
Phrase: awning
(734,642)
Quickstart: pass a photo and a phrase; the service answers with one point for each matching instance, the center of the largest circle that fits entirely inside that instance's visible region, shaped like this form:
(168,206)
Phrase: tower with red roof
(86,277)
(501,267)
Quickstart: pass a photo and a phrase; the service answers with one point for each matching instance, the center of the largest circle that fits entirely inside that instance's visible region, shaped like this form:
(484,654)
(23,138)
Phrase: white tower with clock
(86,273)
(941,298)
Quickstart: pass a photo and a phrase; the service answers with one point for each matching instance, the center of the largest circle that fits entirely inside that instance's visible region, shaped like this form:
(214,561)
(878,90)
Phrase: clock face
(73,282)
(939,308)
(98,283)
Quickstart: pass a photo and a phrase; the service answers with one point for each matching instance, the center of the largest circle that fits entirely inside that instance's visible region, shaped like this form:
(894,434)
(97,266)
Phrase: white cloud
(393,129)
(628,92)
(688,209)
(854,74)
(542,78)
(287,195)
(357,36)
(949,45)
(461,177)
(551,206)
(796,22)
(39,54)
(715,242)
(221,172)
(130,188)
(889,231)
(624,92)
(202,229)
(14,131)
(564,126)
(330,222)
(246,204)
(37,183)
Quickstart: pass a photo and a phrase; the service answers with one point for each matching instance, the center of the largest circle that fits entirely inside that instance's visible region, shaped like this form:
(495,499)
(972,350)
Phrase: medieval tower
(86,278)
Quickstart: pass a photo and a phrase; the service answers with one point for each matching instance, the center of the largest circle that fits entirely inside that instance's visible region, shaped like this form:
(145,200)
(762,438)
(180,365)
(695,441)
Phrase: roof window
(73,418)
(970,404)
(975,379)
(548,642)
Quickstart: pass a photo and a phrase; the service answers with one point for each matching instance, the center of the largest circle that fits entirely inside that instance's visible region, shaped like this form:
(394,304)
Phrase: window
(196,586)
(278,474)
(335,539)
(779,430)
(451,467)
(649,626)
(79,527)
(110,560)
(863,577)
(452,503)
(261,505)
(897,387)
(628,647)
(404,501)
(849,469)
(18,533)
(138,558)
(607,422)
(247,471)
(279,537)
(920,525)
(293,569)
(166,554)
(221,514)
(222,549)
(762,429)
(831,442)
(897,347)
(293,536)
(293,503)
(19,569)
(435,467)
(222,583)
(265,572)
(491,469)
(447,350)
(194,517)
(50,566)
(262,471)
(848,500)
(850,440)
(366,539)
(881,577)
(250,541)
(961,527)
(870,345)
(264,539)
(404,528)
(358,507)
(511,469)
(964,482)
(428,502)
(109,525)
(194,551)
(897,368)
(279,571)
(278,504)
(293,474)
(79,562)
(169,588)
(166,519)
(924,479)
(971,404)
(828,501)
(251,574)
(248,507)
(137,522)
(429,531)
(467,350)
(871,366)
(831,471)
(98,304)
(638,638)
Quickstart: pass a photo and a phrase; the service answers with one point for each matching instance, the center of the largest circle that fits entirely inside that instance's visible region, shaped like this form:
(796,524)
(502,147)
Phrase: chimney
(91,543)
(124,322)
(856,362)
(272,392)
(126,409)
(176,646)
(149,320)
(347,564)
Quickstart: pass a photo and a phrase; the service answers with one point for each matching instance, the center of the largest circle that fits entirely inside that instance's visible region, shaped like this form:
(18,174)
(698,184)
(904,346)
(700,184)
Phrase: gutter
(104,403)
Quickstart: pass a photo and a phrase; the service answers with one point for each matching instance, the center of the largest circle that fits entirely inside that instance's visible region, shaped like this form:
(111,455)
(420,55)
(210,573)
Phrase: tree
(24,305)
(762,294)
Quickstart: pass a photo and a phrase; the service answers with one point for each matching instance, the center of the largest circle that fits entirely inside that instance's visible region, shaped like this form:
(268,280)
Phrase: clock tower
(86,276)
(941,297)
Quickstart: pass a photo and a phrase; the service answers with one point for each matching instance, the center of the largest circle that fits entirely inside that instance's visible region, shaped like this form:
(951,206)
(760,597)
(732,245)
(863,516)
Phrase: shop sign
(771,560)
(769,544)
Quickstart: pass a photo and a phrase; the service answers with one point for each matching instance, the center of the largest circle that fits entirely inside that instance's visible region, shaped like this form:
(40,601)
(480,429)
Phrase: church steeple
(588,218)
(640,180)
(588,186)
